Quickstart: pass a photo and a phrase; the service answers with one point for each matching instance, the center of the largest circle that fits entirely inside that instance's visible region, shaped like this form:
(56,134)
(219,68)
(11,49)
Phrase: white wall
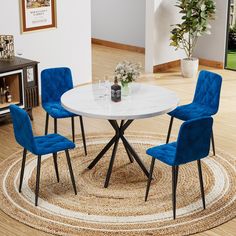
(149,36)
(68,45)
(165,15)
(121,21)
(212,47)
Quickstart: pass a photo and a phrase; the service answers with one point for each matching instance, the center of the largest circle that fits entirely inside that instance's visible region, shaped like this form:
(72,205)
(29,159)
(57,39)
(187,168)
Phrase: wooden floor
(104,61)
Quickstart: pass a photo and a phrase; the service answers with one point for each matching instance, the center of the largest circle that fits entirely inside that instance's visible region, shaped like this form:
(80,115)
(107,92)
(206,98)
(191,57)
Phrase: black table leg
(135,155)
(126,149)
(128,153)
(101,154)
(111,163)
(119,134)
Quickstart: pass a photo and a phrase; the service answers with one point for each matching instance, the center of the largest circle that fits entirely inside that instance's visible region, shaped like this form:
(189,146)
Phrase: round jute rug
(120,209)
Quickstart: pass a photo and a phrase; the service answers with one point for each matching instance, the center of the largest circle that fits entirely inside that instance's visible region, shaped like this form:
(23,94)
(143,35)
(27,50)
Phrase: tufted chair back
(207,91)
(55,82)
(193,142)
(22,128)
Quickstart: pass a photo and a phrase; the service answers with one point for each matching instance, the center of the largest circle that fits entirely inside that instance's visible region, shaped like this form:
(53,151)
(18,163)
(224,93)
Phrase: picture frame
(37,15)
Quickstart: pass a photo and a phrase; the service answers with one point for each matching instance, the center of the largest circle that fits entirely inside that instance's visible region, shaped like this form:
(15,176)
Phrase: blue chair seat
(55,82)
(193,144)
(191,111)
(164,153)
(56,110)
(205,101)
(39,145)
(52,143)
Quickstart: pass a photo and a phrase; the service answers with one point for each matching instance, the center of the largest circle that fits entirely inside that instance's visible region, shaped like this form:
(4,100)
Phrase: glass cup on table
(107,86)
(99,91)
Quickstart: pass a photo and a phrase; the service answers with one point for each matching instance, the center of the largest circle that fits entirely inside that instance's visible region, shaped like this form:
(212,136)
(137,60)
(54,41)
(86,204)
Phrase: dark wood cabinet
(20,75)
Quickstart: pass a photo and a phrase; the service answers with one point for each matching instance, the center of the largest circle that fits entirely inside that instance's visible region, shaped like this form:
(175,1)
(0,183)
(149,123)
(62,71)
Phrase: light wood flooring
(104,61)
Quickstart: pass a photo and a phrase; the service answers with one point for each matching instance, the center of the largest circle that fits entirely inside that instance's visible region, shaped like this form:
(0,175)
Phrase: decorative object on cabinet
(6,47)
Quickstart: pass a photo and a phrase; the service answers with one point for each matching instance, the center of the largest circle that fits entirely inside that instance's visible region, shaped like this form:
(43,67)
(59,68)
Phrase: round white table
(144,101)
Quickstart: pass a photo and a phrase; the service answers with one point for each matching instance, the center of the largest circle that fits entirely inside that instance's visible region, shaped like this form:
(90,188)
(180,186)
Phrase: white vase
(189,67)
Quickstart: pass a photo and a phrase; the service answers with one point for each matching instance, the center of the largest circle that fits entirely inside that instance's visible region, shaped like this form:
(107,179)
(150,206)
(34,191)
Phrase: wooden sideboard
(21,76)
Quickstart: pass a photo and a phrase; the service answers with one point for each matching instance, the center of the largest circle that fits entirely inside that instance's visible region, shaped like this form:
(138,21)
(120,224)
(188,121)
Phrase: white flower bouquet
(127,72)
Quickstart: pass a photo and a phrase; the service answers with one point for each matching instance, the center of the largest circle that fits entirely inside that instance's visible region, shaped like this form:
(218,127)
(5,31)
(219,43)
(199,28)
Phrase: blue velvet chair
(55,82)
(193,144)
(40,145)
(205,101)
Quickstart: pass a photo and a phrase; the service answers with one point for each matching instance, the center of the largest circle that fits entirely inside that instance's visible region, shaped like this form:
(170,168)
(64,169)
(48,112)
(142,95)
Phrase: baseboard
(166,66)
(118,45)
(210,63)
(172,64)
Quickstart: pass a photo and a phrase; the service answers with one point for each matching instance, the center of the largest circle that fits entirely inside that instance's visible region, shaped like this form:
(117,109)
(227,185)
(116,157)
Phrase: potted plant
(195,23)
(127,72)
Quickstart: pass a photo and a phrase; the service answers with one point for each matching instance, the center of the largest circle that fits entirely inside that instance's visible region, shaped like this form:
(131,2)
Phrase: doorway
(118,33)
(230,57)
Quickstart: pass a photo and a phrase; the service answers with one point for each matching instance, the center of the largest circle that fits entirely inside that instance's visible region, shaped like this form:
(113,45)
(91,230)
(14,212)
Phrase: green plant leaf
(195,17)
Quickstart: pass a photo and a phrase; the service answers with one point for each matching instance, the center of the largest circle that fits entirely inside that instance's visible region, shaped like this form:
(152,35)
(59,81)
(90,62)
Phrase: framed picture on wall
(37,15)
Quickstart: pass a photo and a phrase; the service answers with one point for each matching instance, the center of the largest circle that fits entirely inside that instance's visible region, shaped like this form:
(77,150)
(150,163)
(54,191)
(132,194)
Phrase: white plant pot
(189,67)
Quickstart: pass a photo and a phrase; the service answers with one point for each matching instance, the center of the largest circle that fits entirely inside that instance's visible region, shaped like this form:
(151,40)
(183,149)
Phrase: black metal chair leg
(111,163)
(37,180)
(169,130)
(73,128)
(174,191)
(46,124)
(201,183)
(150,178)
(213,144)
(56,166)
(71,171)
(83,134)
(176,175)
(55,125)
(22,169)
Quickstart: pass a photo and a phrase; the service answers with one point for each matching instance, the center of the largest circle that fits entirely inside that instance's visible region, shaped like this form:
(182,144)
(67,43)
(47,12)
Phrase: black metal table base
(119,134)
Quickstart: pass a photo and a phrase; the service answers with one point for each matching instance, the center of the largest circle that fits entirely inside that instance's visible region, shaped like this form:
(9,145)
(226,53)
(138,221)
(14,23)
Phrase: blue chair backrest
(208,90)
(193,142)
(55,82)
(22,128)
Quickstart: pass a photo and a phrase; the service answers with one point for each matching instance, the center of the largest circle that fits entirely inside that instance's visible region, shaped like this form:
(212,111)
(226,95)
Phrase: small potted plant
(195,23)
(127,72)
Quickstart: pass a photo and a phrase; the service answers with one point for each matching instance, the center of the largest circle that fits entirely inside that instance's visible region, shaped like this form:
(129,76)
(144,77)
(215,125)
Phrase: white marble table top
(143,101)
